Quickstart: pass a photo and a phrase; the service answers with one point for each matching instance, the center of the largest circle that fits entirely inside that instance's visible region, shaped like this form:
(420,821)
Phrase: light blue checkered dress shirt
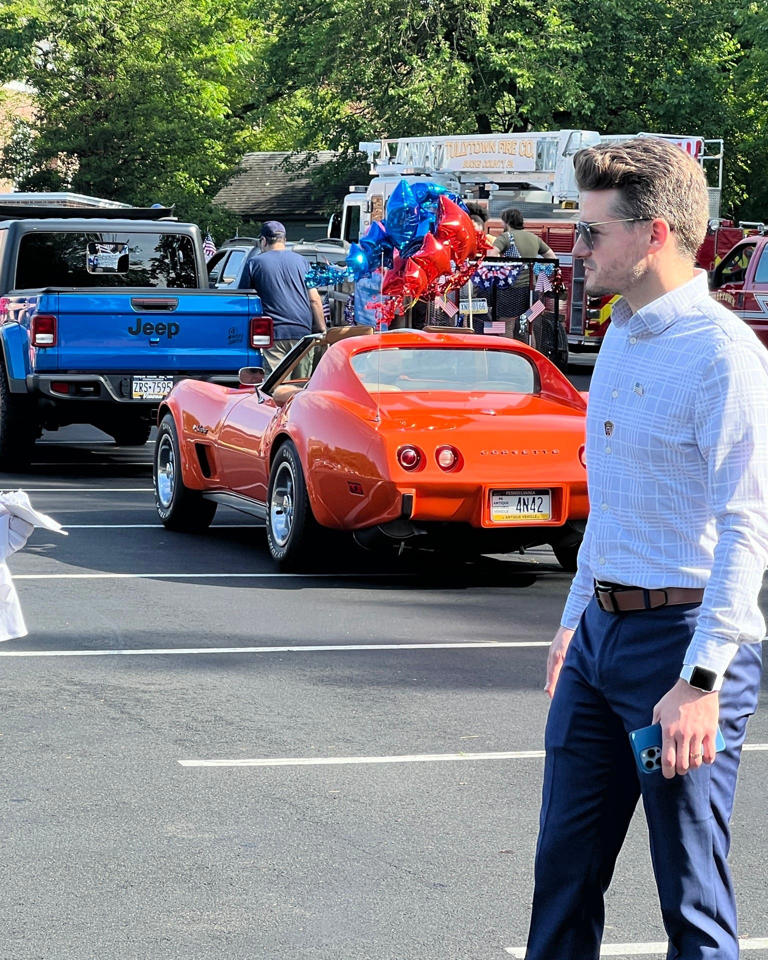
(677,465)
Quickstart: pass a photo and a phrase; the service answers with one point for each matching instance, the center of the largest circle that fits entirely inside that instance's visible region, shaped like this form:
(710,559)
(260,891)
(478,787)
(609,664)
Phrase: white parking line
(201,576)
(328,648)
(649,949)
(398,758)
(153,526)
(83,443)
(344,761)
(89,489)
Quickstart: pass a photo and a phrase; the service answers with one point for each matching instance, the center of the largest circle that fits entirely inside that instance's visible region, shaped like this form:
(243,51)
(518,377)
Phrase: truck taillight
(43,330)
(261,334)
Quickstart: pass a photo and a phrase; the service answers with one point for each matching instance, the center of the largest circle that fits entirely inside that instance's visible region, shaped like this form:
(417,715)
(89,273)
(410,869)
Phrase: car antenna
(378,352)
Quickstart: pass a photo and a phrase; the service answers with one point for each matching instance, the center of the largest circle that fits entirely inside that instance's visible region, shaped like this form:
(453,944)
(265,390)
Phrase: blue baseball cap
(271,229)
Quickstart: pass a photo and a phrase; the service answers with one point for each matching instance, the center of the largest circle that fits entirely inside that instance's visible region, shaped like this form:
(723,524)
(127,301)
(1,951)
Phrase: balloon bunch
(427,243)
(326,275)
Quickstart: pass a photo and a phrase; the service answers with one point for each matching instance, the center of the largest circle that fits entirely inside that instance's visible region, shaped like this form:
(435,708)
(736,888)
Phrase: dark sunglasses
(584,228)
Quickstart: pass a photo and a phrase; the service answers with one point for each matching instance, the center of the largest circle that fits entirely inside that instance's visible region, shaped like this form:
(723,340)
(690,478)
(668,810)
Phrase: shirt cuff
(711,653)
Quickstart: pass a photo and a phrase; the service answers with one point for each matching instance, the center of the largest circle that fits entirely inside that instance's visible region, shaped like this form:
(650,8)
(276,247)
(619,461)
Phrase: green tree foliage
(142,101)
(337,71)
(751,78)
(134,99)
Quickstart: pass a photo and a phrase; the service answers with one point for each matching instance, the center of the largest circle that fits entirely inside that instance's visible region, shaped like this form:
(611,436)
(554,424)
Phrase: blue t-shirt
(278,276)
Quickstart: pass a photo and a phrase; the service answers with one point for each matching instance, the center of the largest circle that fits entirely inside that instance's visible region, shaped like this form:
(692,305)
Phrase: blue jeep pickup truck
(101,312)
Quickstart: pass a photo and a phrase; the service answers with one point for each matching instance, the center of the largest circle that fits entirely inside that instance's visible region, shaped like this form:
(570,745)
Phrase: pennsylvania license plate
(478,306)
(507,506)
(151,388)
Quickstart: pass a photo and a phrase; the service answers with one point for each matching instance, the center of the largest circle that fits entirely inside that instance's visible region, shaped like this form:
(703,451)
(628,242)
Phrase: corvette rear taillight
(409,457)
(261,332)
(583,456)
(448,458)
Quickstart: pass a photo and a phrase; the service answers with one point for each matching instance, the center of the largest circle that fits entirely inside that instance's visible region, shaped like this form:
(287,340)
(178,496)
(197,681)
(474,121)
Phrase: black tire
(18,429)
(291,527)
(177,506)
(566,554)
(131,434)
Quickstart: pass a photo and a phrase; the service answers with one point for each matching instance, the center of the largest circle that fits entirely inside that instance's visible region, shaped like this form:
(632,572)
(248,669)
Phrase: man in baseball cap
(278,275)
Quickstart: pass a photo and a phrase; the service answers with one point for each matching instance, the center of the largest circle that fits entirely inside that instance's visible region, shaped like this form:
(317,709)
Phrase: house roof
(265,188)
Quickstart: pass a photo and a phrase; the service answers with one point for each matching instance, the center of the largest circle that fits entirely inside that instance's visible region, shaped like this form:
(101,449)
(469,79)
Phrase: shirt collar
(662,312)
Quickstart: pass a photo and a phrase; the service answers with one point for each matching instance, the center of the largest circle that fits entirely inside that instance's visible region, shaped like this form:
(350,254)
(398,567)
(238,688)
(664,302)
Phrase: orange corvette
(442,440)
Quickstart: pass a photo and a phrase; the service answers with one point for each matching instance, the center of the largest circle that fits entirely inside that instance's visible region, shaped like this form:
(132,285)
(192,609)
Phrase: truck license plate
(151,388)
(507,506)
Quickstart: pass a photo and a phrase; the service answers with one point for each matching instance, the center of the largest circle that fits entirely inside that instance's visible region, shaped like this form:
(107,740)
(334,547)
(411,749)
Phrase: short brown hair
(655,178)
(513,218)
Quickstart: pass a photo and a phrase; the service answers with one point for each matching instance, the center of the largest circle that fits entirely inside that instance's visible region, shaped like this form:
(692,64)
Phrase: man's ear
(660,234)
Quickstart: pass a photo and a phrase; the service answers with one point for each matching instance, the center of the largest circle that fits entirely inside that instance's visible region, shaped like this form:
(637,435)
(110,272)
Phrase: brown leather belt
(616,598)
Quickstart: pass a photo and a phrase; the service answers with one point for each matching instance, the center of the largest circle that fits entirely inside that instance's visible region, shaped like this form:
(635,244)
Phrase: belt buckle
(655,606)
(605,596)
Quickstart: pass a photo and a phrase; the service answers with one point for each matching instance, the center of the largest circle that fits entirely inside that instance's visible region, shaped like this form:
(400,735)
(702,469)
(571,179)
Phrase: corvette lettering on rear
(517,453)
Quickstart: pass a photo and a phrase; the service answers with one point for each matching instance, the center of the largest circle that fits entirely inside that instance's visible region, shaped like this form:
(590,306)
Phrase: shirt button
(615,394)
(633,339)
(602,560)
(603,506)
(607,449)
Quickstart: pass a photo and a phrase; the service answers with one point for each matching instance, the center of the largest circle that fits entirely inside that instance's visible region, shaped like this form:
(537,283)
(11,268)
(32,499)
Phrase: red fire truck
(740,281)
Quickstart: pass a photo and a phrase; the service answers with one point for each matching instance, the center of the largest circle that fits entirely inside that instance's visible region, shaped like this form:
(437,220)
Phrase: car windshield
(421,369)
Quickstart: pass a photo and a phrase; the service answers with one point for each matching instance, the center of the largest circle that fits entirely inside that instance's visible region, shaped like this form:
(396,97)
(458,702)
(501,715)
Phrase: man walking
(278,275)
(662,622)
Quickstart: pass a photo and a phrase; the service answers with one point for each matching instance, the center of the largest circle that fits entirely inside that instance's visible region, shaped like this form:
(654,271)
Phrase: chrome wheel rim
(166,471)
(281,505)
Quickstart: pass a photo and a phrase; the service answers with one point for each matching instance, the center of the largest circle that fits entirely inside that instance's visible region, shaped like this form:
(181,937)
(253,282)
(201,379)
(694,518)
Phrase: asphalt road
(203,758)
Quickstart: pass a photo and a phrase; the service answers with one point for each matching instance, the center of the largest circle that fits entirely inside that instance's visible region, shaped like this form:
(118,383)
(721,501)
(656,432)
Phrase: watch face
(703,679)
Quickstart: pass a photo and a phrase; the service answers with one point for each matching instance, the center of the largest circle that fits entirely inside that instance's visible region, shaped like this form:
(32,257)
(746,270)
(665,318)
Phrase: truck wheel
(132,434)
(291,527)
(18,431)
(178,507)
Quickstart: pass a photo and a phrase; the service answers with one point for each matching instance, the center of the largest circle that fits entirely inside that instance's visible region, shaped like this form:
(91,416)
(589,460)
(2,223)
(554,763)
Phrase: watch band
(701,677)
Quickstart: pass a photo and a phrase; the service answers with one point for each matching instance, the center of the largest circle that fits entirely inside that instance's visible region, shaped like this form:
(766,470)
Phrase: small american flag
(533,312)
(447,306)
(543,282)
(326,309)
(209,247)
(495,326)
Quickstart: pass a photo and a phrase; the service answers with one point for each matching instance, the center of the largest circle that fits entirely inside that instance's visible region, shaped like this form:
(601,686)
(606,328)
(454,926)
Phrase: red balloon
(455,226)
(414,279)
(434,258)
(392,285)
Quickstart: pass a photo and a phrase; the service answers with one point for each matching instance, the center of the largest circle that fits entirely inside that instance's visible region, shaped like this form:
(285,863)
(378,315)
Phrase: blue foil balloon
(357,261)
(402,215)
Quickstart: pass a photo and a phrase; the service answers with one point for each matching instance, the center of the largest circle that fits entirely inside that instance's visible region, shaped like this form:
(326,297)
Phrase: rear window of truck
(61,259)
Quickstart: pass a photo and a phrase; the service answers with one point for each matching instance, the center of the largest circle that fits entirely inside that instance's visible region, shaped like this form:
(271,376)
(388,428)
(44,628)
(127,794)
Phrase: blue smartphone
(646,746)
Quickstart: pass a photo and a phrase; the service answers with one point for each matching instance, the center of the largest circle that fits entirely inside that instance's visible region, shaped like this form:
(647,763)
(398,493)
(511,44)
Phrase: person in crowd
(515,242)
(479,216)
(662,623)
(278,275)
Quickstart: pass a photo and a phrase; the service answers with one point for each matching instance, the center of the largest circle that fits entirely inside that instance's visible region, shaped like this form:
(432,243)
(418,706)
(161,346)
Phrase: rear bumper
(106,387)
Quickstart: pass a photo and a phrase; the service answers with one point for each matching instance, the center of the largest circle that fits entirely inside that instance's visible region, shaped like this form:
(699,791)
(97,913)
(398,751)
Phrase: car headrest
(334,334)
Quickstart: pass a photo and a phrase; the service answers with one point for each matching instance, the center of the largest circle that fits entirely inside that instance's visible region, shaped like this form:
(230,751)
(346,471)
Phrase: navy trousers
(618,666)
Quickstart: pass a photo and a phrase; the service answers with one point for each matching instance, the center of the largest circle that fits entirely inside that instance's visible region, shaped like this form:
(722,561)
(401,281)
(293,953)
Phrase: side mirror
(251,376)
